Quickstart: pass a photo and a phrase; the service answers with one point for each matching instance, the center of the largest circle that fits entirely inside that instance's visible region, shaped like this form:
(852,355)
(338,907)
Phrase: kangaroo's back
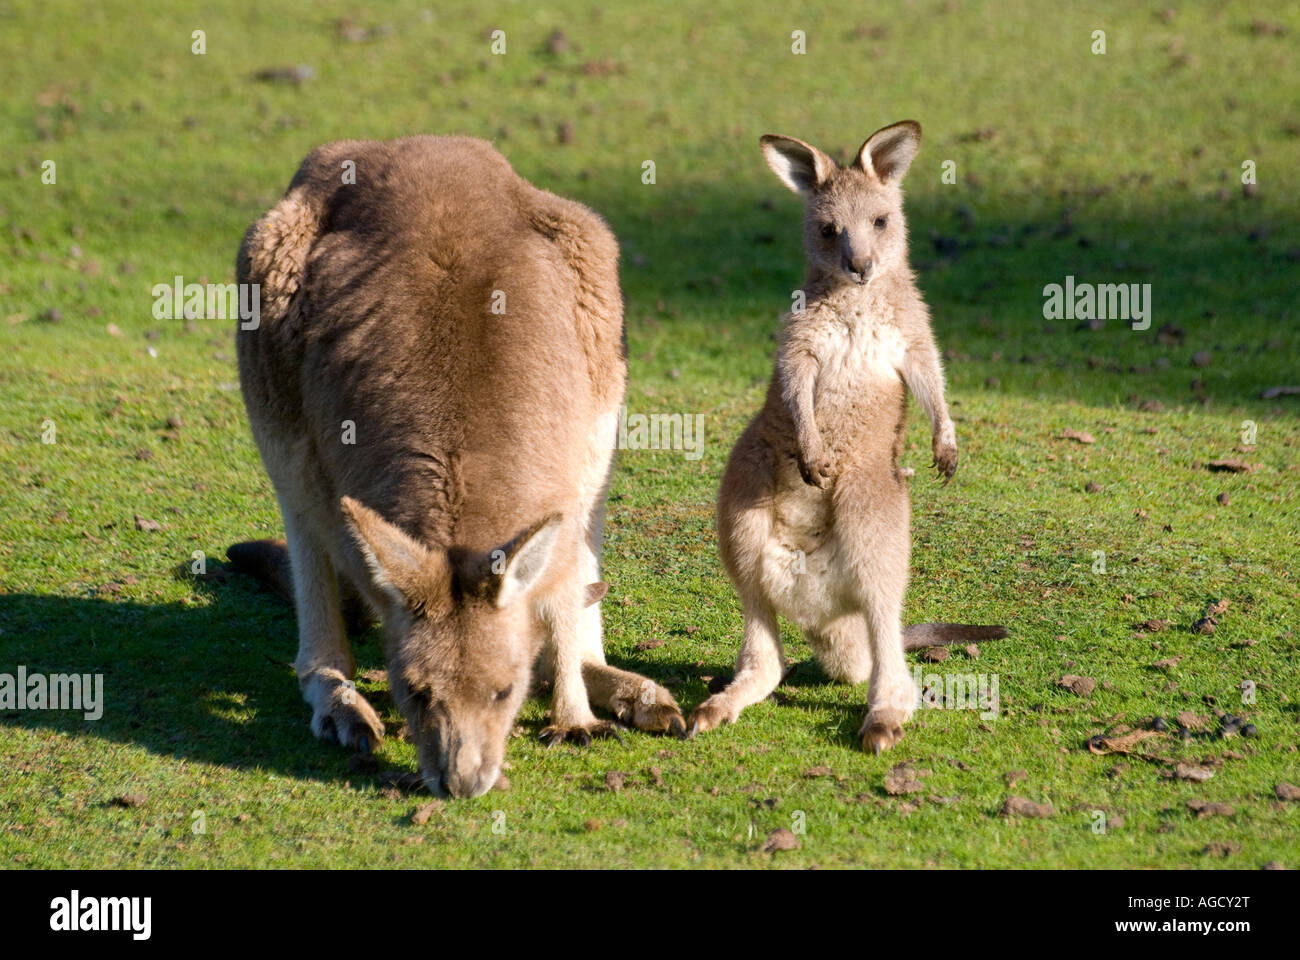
(434,322)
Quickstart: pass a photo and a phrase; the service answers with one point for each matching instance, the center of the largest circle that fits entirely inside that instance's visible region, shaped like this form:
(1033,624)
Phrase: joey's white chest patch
(864,350)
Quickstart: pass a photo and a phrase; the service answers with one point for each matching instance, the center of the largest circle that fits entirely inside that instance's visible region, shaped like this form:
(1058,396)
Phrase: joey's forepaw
(881,730)
(816,471)
(945,460)
(649,707)
(581,734)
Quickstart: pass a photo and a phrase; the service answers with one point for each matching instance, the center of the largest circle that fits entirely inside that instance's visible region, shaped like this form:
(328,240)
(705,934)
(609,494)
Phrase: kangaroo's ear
(595,592)
(802,167)
(518,565)
(402,567)
(890,151)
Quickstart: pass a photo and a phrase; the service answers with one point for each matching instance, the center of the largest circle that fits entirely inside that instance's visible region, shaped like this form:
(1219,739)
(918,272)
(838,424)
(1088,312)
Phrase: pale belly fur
(803,573)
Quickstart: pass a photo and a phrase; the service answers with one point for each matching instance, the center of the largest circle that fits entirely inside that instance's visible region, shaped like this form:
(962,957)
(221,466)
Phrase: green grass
(1116,168)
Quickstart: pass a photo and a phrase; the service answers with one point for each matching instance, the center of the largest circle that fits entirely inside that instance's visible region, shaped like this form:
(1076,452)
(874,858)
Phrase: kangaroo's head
(460,641)
(854,229)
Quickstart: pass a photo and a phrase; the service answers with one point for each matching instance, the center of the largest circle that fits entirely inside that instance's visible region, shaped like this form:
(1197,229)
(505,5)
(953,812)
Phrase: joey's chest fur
(854,353)
(857,343)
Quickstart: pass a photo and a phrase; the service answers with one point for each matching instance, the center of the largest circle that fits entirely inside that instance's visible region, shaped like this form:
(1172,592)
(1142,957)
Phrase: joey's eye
(502,695)
(829,231)
(880,222)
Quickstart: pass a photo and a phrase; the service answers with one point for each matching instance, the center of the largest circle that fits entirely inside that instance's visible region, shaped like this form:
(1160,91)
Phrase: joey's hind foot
(881,730)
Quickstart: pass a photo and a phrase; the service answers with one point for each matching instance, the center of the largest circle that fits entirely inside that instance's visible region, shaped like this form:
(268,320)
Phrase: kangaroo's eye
(829,231)
(503,694)
(880,222)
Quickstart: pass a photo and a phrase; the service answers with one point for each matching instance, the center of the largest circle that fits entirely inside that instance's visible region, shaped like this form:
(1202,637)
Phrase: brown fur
(813,512)
(468,511)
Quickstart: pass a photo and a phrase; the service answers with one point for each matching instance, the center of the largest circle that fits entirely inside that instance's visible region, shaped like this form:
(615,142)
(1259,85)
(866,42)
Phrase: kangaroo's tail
(268,561)
(918,636)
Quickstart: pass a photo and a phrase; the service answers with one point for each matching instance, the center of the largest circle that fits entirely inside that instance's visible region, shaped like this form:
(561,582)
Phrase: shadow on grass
(205,683)
(213,683)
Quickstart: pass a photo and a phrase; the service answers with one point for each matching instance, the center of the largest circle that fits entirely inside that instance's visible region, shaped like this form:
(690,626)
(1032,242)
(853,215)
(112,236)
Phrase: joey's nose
(862,267)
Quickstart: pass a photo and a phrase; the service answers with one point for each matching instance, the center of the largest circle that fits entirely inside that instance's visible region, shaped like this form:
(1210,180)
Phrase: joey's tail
(918,636)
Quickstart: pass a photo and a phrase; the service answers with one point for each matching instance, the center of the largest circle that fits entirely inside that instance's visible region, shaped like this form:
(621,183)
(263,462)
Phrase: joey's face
(854,228)
(853,216)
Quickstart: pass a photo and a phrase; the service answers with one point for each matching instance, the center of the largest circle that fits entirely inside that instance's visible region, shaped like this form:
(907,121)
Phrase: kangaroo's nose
(862,267)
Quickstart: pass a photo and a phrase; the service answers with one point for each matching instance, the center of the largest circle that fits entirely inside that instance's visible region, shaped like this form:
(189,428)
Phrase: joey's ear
(519,565)
(890,151)
(801,166)
(402,567)
(595,592)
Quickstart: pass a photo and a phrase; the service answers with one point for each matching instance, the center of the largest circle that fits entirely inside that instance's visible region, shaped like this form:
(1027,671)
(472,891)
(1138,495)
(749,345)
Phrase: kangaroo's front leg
(325,664)
(571,716)
(922,371)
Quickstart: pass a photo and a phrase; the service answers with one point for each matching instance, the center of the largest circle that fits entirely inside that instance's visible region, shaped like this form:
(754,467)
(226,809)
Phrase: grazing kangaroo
(813,513)
(434,388)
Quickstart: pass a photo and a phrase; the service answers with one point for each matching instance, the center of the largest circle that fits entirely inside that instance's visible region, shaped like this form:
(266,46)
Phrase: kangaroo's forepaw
(581,733)
(944,447)
(889,706)
(344,717)
(815,471)
(649,707)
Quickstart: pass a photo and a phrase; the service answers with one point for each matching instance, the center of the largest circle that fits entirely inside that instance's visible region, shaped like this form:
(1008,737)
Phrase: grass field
(1122,167)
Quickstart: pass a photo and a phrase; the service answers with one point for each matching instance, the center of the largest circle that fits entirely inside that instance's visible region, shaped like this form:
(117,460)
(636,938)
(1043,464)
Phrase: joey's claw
(708,715)
(945,461)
